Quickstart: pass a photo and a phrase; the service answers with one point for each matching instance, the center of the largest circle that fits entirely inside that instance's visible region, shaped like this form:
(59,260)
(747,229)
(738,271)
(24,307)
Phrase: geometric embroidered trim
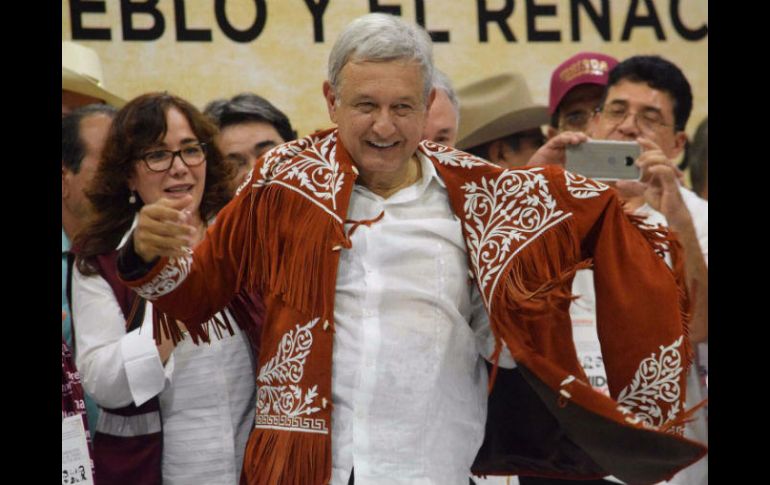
(515,206)
(280,398)
(171,276)
(282,422)
(653,395)
(581,187)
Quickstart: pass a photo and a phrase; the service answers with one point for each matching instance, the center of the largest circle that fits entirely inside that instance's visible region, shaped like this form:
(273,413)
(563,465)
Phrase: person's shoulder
(699,208)
(691,199)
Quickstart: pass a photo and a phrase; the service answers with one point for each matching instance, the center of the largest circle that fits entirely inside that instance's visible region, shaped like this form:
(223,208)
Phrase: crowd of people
(419,295)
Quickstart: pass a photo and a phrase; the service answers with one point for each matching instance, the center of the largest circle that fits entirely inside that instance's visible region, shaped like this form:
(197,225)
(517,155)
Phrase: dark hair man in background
(249,126)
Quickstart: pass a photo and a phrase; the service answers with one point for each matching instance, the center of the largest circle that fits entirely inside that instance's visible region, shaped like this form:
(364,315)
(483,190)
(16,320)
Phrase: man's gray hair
(379,37)
(441,81)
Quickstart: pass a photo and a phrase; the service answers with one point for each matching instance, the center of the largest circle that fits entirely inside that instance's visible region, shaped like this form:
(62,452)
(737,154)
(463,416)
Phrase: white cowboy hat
(81,72)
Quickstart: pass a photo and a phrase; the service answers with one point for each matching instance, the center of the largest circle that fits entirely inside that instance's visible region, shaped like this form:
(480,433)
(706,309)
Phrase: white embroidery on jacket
(654,387)
(245,182)
(307,166)
(172,275)
(450,156)
(281,402)
(515,207)
(281,155)
(581,187)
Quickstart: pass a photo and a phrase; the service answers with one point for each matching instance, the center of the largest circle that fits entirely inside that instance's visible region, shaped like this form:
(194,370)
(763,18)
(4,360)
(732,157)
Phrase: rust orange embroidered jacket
(526,233)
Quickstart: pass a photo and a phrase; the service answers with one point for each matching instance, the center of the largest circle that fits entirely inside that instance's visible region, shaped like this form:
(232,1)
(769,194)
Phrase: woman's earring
(132,198)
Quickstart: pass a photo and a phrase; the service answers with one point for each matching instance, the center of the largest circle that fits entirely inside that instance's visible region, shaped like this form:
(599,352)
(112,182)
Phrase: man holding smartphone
(649,100)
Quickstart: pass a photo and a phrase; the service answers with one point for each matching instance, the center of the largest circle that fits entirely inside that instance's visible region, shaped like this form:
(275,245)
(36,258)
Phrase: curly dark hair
(139,125)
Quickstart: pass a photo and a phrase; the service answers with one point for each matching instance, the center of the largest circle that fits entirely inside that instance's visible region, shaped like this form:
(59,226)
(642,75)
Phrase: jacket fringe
(278,263)
(550,266)
(278,457)
(218,323)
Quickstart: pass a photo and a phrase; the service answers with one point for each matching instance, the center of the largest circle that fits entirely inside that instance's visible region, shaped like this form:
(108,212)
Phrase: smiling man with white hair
(393,269)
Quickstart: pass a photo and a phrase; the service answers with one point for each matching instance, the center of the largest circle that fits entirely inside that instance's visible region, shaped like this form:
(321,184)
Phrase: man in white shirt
(249,125)
(409,331)
(648,100)
(645,99)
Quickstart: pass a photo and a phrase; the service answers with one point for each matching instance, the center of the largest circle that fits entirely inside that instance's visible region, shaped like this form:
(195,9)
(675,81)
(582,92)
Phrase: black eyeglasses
(648,121)
(161,160)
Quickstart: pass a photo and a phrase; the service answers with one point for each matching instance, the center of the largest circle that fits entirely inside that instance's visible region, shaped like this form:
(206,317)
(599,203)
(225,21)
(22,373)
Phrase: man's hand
(662,192)
(554,151)
(660,186)
(163,229)
(659,183)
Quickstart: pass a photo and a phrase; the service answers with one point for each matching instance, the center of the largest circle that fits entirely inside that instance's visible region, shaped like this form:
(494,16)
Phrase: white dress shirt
(409,381)
(699,211)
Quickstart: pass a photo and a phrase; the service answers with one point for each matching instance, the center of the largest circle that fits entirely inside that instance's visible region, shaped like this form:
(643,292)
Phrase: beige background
(284,64)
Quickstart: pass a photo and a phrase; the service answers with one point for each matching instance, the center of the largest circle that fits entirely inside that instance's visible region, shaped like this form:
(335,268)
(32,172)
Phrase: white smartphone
(604,159)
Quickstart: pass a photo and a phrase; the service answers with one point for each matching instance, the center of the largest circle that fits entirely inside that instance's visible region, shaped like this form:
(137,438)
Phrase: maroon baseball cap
(582,68)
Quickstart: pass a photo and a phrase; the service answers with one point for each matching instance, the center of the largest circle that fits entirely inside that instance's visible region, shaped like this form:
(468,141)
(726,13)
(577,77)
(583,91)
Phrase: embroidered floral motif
(282,153)
(281,401)
(515,207)
(655,384)
(245,182)
(581,187)
(451,157)
(309,166)
(172,275)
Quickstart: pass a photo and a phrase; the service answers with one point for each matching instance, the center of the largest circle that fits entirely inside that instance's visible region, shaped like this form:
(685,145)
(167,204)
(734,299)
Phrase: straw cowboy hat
(81,72)
(496,107)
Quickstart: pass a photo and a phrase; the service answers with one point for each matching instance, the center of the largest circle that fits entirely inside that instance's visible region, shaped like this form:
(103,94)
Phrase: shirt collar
(417,189)
(428,170)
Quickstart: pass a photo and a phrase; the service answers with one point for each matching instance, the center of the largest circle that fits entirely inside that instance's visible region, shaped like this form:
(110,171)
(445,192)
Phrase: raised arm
(189,285)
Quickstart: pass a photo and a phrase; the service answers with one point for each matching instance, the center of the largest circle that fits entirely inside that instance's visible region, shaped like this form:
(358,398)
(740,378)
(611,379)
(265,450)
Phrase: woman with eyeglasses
(172,411)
